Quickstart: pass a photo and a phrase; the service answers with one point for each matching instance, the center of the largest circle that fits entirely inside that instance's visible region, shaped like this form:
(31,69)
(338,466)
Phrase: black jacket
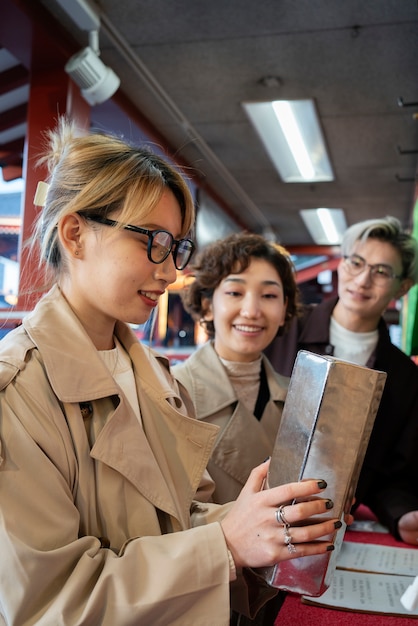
(388,482)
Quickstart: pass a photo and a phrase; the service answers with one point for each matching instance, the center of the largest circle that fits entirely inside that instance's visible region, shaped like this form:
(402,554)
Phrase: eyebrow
(243,281)
(373,264)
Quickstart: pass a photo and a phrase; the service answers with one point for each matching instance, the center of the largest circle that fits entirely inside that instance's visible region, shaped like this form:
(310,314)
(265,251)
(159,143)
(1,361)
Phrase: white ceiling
(188,64)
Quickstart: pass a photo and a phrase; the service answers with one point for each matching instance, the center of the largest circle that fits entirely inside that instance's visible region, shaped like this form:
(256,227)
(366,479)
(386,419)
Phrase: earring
(76,252)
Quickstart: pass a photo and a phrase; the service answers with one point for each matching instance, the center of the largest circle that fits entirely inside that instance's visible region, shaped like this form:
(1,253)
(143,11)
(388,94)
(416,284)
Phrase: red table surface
(295,613)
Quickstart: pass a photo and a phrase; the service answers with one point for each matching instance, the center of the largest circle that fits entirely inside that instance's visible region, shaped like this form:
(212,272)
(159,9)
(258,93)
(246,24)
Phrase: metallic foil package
(324,432)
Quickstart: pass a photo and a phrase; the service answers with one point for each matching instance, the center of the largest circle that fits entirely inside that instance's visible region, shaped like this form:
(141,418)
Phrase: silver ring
(288,539)
(280,517)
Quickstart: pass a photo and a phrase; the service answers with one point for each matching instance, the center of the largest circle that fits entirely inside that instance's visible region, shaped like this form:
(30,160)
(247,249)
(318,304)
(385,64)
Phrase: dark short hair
(233,254)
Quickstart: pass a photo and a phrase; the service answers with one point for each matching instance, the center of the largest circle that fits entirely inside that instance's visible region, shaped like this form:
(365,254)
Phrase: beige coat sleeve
(54,573)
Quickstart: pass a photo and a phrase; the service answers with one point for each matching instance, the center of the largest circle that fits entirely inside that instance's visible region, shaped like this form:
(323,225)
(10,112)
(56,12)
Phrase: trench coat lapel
(83,377)
(211,389)
(213,393)
(234,452)
(122,440)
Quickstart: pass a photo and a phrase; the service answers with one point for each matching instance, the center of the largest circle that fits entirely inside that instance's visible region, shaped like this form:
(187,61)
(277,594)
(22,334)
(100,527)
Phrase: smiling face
(109,274)
(247,309)
(362,301)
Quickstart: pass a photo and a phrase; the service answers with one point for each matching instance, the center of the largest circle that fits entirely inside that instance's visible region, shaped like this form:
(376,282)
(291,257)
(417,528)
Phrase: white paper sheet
(363,592)
(368,557)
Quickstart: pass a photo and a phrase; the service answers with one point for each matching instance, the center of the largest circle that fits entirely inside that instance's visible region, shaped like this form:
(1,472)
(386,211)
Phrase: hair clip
(40,193)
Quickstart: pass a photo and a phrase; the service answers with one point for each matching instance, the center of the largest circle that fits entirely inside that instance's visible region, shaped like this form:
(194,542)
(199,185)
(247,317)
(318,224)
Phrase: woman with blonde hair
(101,456)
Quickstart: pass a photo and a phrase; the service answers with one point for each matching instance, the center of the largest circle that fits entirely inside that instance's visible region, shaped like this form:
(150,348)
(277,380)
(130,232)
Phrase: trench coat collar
(82,376)
(211,386)
(180,444)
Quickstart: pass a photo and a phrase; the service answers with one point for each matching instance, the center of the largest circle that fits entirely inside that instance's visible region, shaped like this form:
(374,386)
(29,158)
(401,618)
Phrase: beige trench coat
(243,442)
(81,524)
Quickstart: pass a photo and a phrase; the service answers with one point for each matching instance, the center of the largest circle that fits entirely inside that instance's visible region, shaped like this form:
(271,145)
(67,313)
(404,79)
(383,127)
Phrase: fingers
(408,527)
(409,521)
(257,478)
(304,549)
(294,513)
(303,540)
(299,496)
(285,494)
(348,518)
(312,532)
(256,534)
(306,533)
(268,544)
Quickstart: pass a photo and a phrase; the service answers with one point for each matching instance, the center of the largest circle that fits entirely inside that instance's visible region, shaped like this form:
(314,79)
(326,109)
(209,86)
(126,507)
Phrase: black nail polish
(338,524)
(330,548)
(329,504)
(322,484)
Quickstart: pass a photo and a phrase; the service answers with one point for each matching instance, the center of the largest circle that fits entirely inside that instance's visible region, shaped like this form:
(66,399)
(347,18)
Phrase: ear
(406,285)
(70,232)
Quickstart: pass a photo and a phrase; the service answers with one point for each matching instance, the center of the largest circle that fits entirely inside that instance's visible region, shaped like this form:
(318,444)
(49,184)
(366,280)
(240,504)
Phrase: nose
(365,276)
(166,270)
(250,308)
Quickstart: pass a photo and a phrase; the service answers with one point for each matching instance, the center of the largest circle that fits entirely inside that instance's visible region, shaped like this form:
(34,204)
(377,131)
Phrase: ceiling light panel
(326,226)
(292,135)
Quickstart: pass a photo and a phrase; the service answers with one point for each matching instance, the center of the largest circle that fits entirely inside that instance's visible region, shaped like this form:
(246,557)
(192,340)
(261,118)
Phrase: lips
(248,329)
(150,298)
(151,295)
(358,296)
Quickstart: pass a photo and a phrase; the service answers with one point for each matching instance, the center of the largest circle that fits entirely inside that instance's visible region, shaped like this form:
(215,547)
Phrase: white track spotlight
(97,82)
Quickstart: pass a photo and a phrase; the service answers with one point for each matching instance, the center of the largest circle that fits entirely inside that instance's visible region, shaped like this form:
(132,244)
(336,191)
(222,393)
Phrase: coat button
(86,409)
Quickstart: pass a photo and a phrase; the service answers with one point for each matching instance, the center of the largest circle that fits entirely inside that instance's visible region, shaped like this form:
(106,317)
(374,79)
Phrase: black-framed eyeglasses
(160,242)
(380,273)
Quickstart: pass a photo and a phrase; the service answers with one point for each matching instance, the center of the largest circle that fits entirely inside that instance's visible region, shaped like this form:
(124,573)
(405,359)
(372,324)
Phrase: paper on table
(368,557)
(410,598)
(365,593)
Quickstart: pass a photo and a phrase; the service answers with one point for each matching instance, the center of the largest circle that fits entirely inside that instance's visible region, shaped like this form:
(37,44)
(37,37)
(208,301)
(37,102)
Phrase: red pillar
(52,94)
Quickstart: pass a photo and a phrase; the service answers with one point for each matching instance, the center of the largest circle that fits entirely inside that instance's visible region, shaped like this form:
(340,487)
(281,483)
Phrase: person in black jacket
(379,264)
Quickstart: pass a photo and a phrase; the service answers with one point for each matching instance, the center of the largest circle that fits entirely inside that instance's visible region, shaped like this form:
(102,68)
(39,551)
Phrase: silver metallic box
(324,432)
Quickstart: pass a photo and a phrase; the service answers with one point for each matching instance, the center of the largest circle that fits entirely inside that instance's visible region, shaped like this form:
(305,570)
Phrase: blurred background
(290,119)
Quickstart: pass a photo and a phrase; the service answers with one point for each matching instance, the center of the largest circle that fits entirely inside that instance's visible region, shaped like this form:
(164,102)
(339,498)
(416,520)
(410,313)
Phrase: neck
(353,321)
(100,331)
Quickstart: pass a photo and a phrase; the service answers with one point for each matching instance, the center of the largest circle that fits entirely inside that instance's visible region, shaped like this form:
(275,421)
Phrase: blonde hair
(102,173)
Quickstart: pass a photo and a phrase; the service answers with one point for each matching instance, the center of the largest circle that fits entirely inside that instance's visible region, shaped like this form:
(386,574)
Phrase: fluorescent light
(292,136)
(326,226)
(292,133)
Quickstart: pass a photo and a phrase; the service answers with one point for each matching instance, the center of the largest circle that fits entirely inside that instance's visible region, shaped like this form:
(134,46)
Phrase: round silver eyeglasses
(160,242)
(380,273)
